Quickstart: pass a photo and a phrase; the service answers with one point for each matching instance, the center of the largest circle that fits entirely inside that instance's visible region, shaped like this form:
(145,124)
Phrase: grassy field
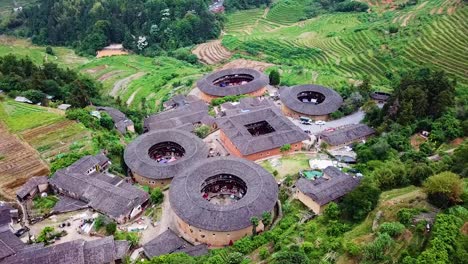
(19,116)
(290,165)
(45,129)
(339,48)
(21,47)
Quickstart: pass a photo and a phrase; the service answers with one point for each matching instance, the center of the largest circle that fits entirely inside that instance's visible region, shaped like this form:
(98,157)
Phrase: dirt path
(130,99)
(18,163)
(407,19)
(122,84)
(422,5)
(108,75)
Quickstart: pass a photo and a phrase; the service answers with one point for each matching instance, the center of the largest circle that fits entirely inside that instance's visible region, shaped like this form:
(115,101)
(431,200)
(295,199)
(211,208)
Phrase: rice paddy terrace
(338,48)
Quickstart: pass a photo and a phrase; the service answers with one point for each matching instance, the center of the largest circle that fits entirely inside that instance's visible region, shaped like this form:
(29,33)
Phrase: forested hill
(89,25)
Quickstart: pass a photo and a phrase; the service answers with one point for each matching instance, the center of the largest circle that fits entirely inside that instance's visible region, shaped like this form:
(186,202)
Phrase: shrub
(202,131)
(111,228)
(156,196)
(263,253)
(376,250)
(285,148)
(49,50)
(406,215)
(392,228)
(444,189)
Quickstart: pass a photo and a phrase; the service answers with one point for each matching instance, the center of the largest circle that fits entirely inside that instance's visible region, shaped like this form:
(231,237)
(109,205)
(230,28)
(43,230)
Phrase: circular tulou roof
(332,102)
(187,201)
(138,160)
(206,85)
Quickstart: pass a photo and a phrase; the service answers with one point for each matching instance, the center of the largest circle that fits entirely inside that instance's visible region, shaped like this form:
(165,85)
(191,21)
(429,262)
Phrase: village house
(316,193)
(9,243)
(168,242)
(184,115)
(101,251)
(121,122)
(86,181)
(259,133)
(32,187)
(346,135)
(112,50)
(380,97)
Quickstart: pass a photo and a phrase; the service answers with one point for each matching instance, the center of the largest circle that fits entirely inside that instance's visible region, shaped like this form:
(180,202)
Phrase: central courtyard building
(215,199)
(232,82)
(156,157)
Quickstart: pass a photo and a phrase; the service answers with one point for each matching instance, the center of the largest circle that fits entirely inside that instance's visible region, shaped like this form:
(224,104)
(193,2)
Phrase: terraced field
(18,163)
(340,48)
(134,77)
(212,52)
(44,129)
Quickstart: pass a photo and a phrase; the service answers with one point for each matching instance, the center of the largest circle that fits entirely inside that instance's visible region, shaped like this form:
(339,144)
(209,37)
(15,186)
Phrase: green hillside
(338,48)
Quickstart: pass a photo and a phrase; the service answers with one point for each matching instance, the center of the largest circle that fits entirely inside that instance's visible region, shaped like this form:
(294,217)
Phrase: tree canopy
(141,25)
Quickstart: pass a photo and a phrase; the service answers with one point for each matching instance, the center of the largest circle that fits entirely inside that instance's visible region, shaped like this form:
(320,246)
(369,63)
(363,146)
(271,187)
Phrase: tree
(266,218)
(275,78)
(460,160)
(376,250)
(111,228)
(359,202)
(156,196)
(419,172)
(49,50)
(35,96)
(202,131)
(234,258)
(444,189)
(289,257)
(332,212)
(254,221)
(45,235)
(285,148)
(106,121)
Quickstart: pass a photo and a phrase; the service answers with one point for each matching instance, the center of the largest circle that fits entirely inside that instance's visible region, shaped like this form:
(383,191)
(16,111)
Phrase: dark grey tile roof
(165,243)
(183,117)
(188,203)
(332,102)
(137,158)
(30,185)
(206,85)
(179,100)
(323,190)
(68,204)
(85,163)
(5,215)
(104,250)
(381,96)
(102,196)
(9,243)
(347,134)
(120,119)
(285,131)
(195,251)
(246,104)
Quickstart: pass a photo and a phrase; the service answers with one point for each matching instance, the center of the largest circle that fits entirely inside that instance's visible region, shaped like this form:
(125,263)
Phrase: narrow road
(314,129)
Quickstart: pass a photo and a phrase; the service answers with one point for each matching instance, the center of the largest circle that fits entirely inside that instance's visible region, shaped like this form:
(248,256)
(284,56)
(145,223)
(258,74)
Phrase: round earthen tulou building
(156,157)
(232,82)
(215,199)
(312,101)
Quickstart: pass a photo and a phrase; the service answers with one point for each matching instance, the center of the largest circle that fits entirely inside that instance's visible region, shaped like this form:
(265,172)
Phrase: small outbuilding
(154,158)
(332,185)
(121,122)
(314,101)
(380,97)
(215,199)
(169,242)
(32,187)
(346,135)
(235,81)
